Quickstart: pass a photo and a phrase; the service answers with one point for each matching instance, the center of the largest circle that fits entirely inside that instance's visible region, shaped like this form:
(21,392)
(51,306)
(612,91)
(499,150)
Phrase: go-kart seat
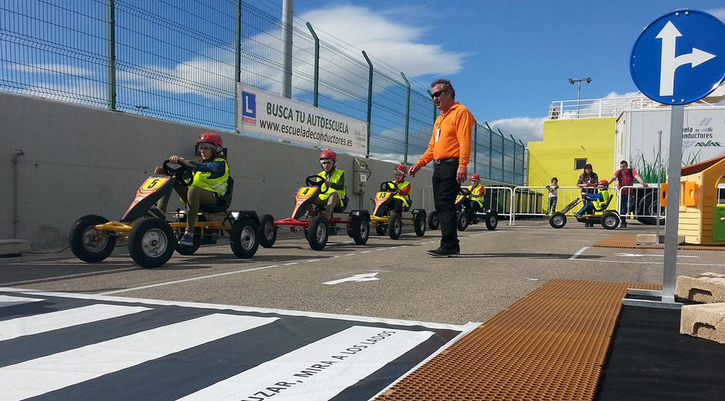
(223,203)
(606,205)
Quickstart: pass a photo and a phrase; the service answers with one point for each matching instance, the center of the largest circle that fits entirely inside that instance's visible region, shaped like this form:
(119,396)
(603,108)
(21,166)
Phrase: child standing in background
(553,192)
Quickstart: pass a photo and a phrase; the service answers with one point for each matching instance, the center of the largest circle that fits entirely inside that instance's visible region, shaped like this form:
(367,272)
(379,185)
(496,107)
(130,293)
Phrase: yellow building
(568,145)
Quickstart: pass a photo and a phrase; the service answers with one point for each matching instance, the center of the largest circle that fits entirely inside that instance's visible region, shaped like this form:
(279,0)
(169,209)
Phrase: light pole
(579,89)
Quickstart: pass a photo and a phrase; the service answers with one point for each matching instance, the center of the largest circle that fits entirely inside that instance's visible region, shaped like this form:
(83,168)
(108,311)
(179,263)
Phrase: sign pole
(669,275)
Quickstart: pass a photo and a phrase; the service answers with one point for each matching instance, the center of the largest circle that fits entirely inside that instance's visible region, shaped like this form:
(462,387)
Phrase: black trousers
(445,190)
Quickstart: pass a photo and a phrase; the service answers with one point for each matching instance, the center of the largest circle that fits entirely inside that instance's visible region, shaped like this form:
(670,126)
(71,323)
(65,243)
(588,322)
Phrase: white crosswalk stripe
(9,300)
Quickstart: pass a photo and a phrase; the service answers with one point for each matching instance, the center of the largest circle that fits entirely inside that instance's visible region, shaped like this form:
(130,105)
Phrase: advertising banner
(276,116)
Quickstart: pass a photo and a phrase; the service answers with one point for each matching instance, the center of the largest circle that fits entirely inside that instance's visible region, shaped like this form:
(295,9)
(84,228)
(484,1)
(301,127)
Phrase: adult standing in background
(625,177)
(450,150)
(588,180)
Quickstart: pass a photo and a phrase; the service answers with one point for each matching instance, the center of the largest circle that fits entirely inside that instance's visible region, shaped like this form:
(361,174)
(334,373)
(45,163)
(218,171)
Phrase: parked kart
(387,220)
(317,228)
(151,240)
(609,219)
(463,220)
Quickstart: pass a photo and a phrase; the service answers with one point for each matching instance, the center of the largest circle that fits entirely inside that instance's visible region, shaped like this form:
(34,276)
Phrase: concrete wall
(81,160)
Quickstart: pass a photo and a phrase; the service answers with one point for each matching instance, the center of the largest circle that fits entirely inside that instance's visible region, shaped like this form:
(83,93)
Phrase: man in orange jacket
(450,150)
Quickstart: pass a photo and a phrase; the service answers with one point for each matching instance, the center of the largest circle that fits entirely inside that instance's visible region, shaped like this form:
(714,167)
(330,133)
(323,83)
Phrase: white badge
(438,133)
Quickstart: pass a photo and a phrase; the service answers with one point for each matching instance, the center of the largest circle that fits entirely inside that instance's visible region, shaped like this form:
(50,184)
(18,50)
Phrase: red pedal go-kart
(387,220)
(490,217)
(318,228)
(151,240)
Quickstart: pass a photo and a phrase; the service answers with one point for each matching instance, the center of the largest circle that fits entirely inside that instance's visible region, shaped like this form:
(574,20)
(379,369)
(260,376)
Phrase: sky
(507,59)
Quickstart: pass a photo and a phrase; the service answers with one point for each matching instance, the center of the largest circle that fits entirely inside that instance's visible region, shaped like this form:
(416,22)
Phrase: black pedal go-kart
(463,220)
(317,228)
(609,219)
(151,240)
(387,220)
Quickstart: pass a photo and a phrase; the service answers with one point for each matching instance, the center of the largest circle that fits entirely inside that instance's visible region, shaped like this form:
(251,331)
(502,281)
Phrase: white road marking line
(657,263)
(68,275)
(41,375)
(313,260)
(579,252)
(7,300)
(29,325)
(358,278)
(365,251)
(634,255)
(378,347)
(350,254)
(290,264)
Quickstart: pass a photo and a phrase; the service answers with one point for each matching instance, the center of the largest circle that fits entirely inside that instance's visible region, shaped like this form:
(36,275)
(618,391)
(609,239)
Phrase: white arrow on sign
(670,62)
(358,278)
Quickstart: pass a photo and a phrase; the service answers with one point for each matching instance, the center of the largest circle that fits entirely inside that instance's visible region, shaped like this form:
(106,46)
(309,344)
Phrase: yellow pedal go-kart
(609,219)
(151,240)
(386,220)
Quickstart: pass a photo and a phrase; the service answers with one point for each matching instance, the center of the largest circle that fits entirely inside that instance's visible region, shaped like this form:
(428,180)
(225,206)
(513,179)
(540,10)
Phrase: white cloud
(522,128)
(717,12)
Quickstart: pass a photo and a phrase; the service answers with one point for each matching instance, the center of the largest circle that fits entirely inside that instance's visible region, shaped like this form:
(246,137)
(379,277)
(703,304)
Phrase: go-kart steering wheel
(388,186)
(314,181)
(182,174)
(464,191)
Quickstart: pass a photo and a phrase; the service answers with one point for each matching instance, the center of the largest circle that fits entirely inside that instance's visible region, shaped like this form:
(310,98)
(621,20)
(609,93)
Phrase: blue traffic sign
(680,57)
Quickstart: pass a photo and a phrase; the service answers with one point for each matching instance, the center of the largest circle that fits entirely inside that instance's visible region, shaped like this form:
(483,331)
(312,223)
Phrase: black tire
(648,206)
(419,223)
(244,238)
(189,250)
(395,226)
(360,231)
(267,231)
(88,244)
(433,221)
(610,220)
(151,242)
(491,221)
(381,229)
(462,220)
(318,233)
(557,220)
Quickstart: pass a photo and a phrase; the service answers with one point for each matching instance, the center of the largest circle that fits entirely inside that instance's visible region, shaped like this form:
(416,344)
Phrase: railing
(604,107)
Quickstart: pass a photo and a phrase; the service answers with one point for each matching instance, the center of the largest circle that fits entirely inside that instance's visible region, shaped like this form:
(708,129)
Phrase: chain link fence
(180,61)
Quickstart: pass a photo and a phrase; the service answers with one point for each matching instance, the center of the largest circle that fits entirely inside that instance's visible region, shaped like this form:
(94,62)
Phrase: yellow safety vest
(405,199)
(325,191)
(473,190)
(599,204)
(217,185)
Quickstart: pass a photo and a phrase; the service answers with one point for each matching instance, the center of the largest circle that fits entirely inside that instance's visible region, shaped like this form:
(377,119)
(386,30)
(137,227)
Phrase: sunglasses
(438,94)
(326,161)
(204,148)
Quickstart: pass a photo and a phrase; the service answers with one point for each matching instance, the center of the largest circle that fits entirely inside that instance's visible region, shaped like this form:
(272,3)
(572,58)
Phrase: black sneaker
(444,252)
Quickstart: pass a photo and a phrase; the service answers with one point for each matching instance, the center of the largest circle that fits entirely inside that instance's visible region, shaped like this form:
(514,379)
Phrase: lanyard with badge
(438,130)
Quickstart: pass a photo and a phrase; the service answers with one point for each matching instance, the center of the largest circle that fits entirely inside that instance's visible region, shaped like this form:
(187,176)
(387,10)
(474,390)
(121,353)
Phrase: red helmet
(604,183)
(401,168)
(475,177)
(328,154)
(212,138)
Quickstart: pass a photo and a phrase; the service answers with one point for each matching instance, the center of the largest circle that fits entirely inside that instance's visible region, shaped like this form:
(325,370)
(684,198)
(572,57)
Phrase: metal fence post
(407,118)
(475,145)
(370,96)
(513,179)
(316,83)
(523,163)
(111,47)
(237,61)
(490,150)
(287,54)
(435,109)
(503,155)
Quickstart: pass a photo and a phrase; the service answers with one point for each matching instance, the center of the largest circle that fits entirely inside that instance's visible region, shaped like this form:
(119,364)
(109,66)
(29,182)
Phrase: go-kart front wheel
(318,233)
(267,231)
(395,226)
(360,231)
(381,229)
(243,238)
(462,220)
(491,221)
(610,220)
(87,243)
(557,220)
(419,223)
(151,242)
(433,221)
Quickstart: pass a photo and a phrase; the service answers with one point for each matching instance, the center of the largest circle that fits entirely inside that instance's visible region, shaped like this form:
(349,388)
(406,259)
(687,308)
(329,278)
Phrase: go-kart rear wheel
(419,223)
(395,226)
(557,220)
(360,230)
(243,238)
(267,231)
(462,220)
(610,220)
(87,243)
(491,221)
(433,221)
(318,233)
(381,228)
(151,242)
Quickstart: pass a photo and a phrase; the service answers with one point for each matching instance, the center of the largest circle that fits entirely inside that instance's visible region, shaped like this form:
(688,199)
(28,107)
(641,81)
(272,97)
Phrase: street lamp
(579,89)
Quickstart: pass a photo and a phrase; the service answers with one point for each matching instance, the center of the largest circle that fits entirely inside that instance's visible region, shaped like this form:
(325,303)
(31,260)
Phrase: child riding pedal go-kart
(151,240)
(315,203)
(469,205)
(593,212)
(391,202)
